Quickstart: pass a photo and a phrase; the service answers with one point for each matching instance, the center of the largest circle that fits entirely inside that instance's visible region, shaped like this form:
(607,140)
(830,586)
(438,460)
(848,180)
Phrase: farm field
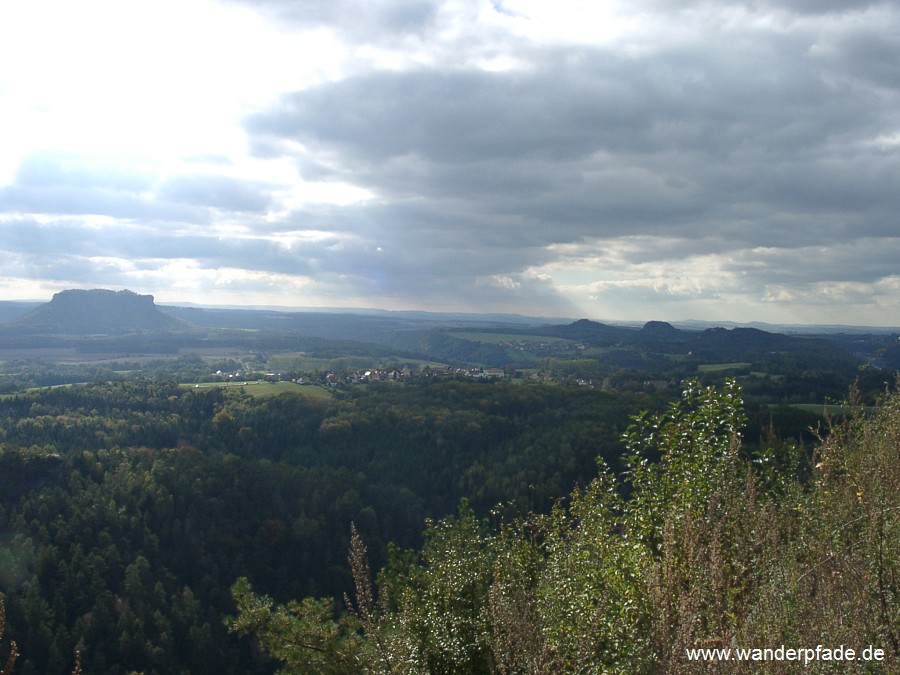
(721,367)
(262,389)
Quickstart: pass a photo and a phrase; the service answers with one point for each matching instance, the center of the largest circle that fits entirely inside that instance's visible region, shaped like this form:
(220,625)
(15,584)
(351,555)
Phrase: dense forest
(693,552)
(129,510)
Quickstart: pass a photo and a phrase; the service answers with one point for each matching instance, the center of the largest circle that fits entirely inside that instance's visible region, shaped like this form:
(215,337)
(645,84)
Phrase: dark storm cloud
(568,109)
(482,144)
(455,116)
(866,53)
(600,144)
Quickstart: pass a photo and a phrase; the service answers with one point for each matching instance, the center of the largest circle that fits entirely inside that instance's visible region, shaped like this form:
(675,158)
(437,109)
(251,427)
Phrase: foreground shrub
(694,547)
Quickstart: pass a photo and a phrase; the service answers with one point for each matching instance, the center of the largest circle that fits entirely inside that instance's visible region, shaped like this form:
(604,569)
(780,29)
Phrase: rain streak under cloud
(642,160)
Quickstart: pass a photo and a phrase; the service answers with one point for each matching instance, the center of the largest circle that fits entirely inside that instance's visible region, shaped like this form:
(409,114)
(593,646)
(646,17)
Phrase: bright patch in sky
(157,83)
(640,160)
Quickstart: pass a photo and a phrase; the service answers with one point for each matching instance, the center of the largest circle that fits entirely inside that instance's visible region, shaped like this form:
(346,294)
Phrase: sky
(637,160)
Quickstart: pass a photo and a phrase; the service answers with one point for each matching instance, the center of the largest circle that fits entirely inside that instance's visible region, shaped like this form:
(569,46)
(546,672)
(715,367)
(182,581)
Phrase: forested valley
(130,508)
(154,527)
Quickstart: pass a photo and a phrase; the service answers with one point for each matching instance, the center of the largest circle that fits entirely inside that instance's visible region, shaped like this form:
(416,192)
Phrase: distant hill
(659,329)
(13,309)
(108,323)
(96,312)
(587,331)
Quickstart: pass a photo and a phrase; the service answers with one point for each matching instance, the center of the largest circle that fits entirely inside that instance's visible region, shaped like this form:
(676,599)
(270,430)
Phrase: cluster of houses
(334,378)
(545,348)
(409,373)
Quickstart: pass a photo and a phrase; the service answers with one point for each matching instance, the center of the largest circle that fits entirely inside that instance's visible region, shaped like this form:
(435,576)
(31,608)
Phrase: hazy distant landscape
(161,465)
(81,335)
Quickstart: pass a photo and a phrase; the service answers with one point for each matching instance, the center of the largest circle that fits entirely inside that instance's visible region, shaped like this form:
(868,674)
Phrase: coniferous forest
(442,527)
(130,508)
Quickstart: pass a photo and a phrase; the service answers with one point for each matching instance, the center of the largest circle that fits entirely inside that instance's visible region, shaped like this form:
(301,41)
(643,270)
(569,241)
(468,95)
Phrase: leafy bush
(694,546)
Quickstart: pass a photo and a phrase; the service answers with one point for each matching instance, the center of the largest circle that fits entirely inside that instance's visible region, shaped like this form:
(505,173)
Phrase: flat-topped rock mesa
(97,312)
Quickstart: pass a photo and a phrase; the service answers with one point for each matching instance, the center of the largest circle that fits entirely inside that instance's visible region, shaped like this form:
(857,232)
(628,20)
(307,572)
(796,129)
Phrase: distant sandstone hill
(97,312)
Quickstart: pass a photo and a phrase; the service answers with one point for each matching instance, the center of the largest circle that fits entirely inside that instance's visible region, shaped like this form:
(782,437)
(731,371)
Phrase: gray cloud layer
(761,138)
(751,139)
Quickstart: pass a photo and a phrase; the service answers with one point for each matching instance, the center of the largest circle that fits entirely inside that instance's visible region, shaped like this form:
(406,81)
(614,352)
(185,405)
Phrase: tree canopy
(695,545)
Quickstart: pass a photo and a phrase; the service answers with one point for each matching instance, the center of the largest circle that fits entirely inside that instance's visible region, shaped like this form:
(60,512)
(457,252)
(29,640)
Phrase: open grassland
(721,367)
(261,389)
